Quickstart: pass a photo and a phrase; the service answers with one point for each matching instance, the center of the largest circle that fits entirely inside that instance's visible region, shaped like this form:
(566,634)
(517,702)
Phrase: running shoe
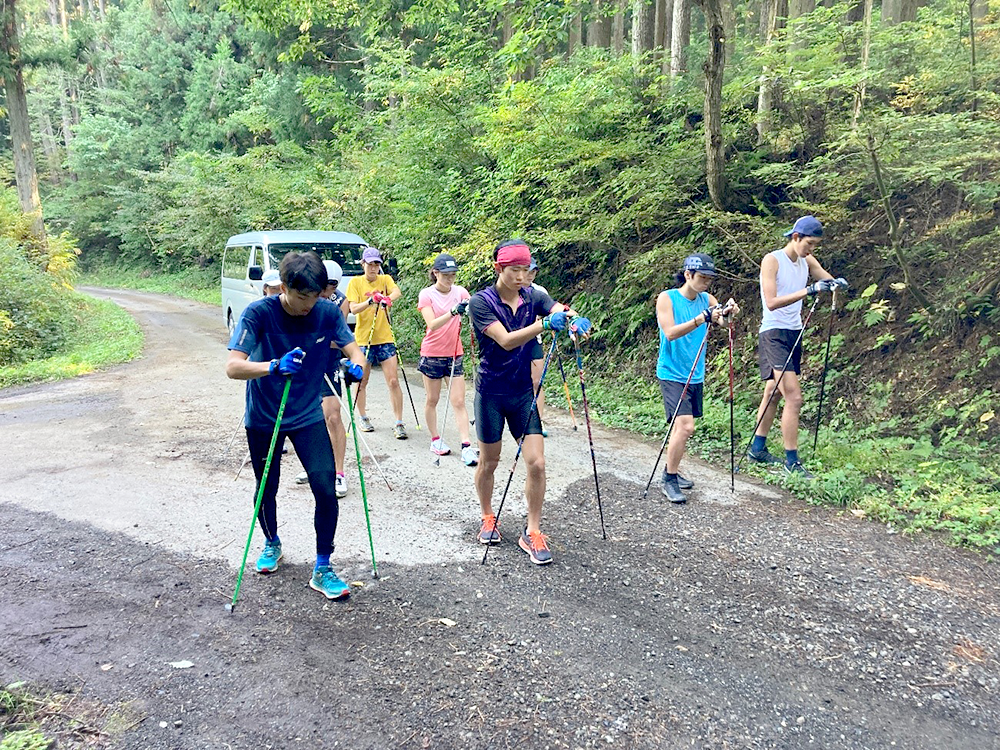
(798,469)
(684,483)
(545,432)
(399,432)
(439,447)
(470,455)
(365,424)
(340,485)
(672,492)
(302,478)
(489,532)
(763,456)
(326,582)
(268,560)
(536,545)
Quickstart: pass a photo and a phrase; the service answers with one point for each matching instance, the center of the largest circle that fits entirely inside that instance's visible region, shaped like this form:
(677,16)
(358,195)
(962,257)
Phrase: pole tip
(229,607)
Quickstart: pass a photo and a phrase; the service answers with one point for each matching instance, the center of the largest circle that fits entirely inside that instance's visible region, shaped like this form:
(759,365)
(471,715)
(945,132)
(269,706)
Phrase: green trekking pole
(260,490)
(361,476)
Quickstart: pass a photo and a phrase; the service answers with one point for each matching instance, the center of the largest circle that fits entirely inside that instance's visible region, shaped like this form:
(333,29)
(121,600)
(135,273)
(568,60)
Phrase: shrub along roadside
(190,283)
(105,335)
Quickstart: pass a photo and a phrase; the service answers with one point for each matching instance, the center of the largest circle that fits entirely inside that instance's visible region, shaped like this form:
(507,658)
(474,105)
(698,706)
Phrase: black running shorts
(692,403)
(334,377)
(437,368)
(493,410)
(773,348)
(537,352)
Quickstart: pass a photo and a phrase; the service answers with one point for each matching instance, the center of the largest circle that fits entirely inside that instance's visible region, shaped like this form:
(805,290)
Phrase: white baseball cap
(333,272)
(272,278)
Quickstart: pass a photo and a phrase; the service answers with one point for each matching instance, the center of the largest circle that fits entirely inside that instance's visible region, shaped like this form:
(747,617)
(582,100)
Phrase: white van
(248,256)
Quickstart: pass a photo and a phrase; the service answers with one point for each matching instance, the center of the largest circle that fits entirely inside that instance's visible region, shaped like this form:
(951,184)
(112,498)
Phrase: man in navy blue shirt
(505,317)
(292,335)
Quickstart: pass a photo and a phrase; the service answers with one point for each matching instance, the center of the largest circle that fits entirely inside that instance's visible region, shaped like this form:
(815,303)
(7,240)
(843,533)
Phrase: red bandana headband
(514,255)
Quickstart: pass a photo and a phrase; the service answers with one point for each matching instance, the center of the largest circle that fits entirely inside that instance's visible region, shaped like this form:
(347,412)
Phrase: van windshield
(348,256)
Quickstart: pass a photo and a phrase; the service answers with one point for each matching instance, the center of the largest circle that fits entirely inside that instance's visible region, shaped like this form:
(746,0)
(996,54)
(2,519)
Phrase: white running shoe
(366,424)
(439,447)
(302,478)
(340,486)
(470,455)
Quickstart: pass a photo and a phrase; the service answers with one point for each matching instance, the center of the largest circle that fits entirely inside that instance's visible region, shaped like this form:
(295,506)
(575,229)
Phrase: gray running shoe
(365,424)
(302,478)
(489,532)
(798,469)
(763,457)
(399,432)
(470,455)
(672,492)
(537,547)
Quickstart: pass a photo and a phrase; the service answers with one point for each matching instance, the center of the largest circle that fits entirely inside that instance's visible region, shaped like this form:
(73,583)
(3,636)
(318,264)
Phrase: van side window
(258,257)
(234,265)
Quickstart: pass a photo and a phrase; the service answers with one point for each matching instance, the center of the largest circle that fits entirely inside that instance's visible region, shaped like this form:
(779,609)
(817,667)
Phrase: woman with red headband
(505,318)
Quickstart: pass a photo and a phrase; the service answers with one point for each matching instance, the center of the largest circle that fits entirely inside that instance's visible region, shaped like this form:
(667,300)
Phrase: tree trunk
(643,27)
(797,9)
(663,20)
(715,147)
(25,174)
(618,28)
(772,19)
(680,37)
(599,26)
(898,11)
(866,45)
(575,34)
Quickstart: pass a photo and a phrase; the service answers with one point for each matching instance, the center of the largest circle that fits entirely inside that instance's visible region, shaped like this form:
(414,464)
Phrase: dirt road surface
(744,620)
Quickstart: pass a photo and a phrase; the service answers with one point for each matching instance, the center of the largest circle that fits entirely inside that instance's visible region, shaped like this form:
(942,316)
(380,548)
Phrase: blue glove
(289,364)
(555,322)
(352,373)
(579,325)
(840,284)
(820,286)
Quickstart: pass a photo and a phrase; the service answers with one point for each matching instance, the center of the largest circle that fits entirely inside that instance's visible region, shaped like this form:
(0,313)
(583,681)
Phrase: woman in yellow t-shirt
(370,297)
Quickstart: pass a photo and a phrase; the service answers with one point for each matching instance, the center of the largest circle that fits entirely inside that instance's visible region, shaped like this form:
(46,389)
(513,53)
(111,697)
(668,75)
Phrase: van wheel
(229,323)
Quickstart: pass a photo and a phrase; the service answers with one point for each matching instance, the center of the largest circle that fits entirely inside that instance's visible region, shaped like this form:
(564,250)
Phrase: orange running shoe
(489,532)
(536,544)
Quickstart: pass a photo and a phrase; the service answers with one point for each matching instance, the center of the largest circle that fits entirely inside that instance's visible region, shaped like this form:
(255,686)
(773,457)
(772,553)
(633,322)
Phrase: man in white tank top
(784,283)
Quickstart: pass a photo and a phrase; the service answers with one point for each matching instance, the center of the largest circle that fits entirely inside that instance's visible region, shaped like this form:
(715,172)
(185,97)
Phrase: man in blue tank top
(684,316)
(784,283)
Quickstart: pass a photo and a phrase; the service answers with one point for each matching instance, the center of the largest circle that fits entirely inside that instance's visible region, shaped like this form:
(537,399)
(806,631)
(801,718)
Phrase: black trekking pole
(406,382)
(784,369)
(569,401)
(677,409)
(590,435)
(732,429)
(520,444)
(260,490)
(361,478)
(826,363)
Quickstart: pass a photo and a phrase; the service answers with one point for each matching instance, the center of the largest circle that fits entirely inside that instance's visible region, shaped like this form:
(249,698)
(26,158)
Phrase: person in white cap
(331,396)
(272,283)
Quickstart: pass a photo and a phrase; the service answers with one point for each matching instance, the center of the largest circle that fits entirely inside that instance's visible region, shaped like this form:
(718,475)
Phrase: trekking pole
(233,438)
(590,436)
(361,479)
(520,444)
(451,379)
(569,401)
(260,490)
(826,363)
(246,460)
(784,369)
(677,409)
(362,436)
(472,359)
(732,429)
(406,382)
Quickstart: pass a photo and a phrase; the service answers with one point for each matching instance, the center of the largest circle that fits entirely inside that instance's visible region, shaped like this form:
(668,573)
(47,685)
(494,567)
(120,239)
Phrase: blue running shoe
(326,582)
(268,560)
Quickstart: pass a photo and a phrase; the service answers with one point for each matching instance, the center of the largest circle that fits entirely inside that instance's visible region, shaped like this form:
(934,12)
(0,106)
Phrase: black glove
(840,284)
(460,308)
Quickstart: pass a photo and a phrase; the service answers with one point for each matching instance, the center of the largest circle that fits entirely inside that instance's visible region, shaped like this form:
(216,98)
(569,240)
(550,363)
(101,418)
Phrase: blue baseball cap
(700,263)
(807,226)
